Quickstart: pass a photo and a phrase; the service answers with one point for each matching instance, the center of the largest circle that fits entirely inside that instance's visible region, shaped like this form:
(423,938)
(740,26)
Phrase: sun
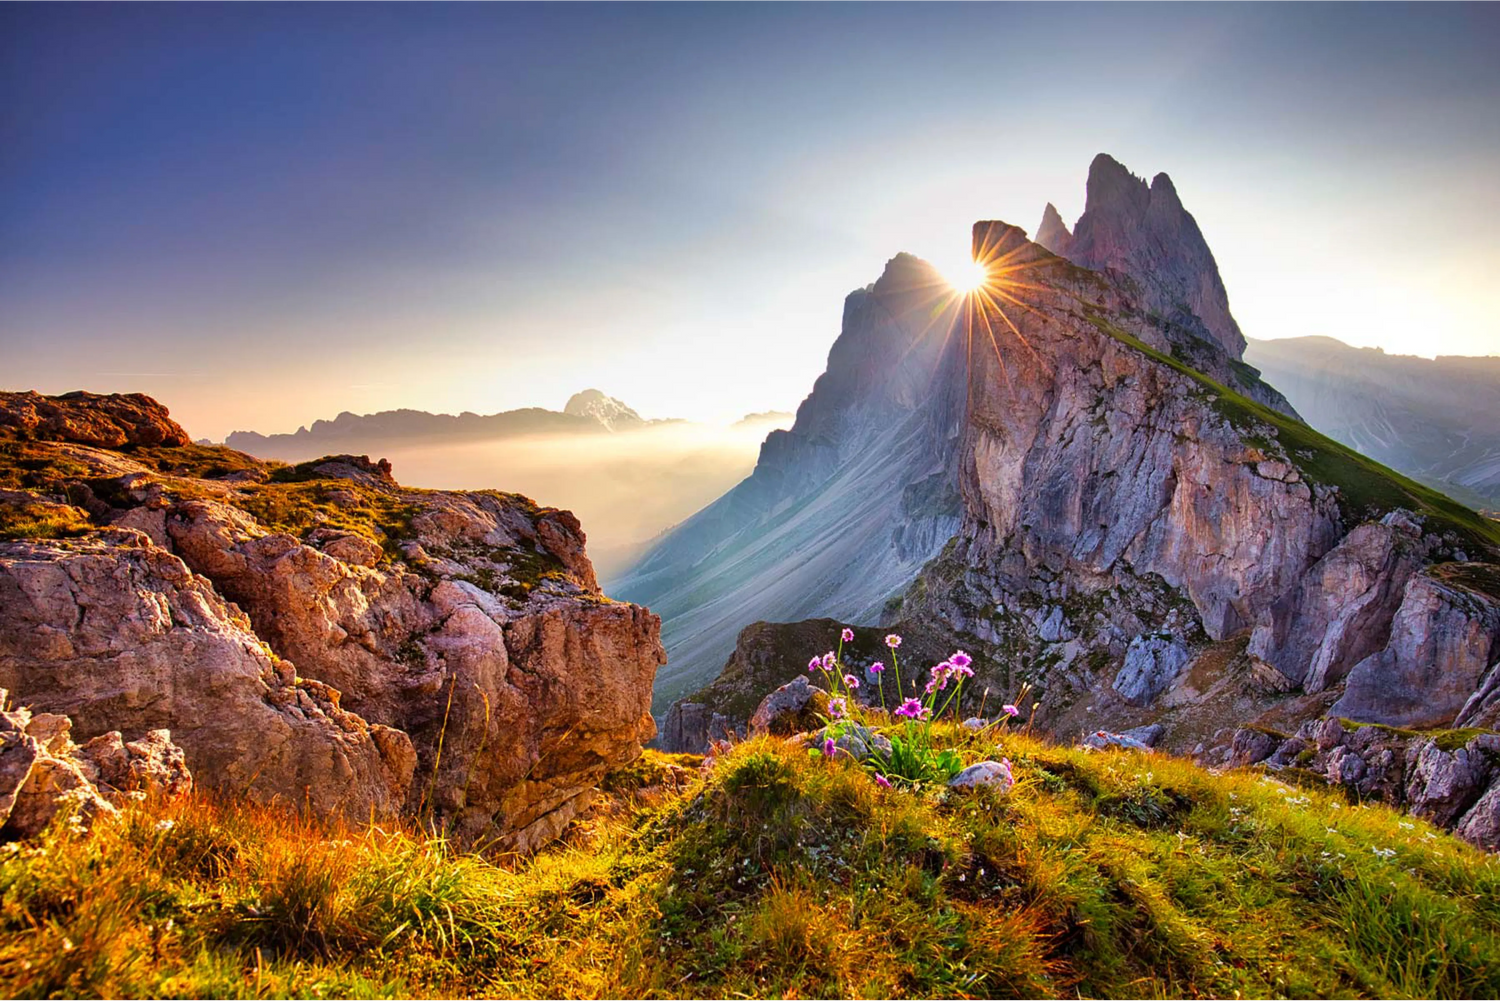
(968,278)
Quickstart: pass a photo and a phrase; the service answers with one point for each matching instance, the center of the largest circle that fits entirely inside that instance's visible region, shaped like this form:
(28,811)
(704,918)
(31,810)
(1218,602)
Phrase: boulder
(795,707)
(1152,663)
(989,774)
(1101,739)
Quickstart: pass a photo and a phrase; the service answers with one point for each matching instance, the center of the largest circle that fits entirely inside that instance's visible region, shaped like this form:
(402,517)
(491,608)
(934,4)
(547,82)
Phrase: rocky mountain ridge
(453,655)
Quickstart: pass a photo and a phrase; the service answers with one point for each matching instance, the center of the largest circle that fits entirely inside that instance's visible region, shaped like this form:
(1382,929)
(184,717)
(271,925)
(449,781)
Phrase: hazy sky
(266,214)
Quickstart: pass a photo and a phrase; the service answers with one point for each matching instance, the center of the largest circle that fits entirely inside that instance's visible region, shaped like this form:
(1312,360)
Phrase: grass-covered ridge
(1366,488)
(781,874)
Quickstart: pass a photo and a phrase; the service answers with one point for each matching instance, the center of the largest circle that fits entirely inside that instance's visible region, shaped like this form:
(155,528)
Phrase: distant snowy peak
(607,410)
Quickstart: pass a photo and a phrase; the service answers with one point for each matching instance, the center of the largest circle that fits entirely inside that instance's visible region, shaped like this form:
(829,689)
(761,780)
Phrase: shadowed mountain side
(843,509)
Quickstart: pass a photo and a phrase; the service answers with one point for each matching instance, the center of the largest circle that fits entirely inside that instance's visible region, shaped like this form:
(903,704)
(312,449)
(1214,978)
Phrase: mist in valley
(625,488)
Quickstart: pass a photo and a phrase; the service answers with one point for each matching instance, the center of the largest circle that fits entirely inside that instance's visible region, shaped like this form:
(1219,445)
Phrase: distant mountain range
(588,412)
(1436,420)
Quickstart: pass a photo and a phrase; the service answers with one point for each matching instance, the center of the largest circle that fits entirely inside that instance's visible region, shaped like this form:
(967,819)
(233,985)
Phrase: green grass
(1366,488)
(777,875)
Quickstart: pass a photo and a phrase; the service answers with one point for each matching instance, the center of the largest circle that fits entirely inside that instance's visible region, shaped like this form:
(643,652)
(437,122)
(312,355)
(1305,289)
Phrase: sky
(266,214)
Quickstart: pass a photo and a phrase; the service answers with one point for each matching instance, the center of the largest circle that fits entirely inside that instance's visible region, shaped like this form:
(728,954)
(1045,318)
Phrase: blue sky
(266,214)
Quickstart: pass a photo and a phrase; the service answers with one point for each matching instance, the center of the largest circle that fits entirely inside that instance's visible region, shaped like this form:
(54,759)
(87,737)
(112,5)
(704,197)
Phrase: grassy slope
(782,875)
(1366,487)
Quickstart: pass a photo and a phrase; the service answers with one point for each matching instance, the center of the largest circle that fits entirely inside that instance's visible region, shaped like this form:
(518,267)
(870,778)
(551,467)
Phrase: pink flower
(893,641)
(877,667)
(815,664)
(960,659)
(850,681)
(913,709)
(829,660)
(848,635)
(882,781)
(1011,710)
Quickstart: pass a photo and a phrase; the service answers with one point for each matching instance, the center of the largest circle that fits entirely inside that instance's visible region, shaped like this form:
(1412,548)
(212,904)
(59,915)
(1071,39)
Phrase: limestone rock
(1340,612)
(1443,640)
(859,742)
(1250,746)
(1442,785)
(692,727)
(119,635)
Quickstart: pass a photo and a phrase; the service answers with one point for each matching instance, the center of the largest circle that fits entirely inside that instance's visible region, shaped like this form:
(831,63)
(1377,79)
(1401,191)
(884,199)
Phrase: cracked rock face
(119,635)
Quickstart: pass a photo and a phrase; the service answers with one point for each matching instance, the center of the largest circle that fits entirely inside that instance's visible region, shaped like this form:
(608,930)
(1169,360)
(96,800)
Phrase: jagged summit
(1053,233)
(607,410)
(1143,231)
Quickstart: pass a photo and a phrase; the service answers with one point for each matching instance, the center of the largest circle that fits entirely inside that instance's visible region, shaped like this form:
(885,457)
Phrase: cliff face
(452,651)
(844,508)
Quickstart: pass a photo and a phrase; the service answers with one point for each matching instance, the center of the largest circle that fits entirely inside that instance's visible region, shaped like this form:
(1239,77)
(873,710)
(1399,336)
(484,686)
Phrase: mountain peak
(607,410)
(1053,233)
(1144,231)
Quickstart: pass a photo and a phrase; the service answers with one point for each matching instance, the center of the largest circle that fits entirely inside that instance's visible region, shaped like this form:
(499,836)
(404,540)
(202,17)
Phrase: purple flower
(877,667)
(882,781)
(960,659)
(828,747)
(829,660)
(850,681)
(893,641)
(913,709)
(848,635)
(1011,710)
(837,707)
(815,664)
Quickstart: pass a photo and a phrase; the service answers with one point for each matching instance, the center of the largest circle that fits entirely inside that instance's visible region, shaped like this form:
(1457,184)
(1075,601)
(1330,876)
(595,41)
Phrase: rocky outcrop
(1444,638)
(112,421)
(1143,237)
(118,634)
(322,636)
(1340,611)
(1451,778)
